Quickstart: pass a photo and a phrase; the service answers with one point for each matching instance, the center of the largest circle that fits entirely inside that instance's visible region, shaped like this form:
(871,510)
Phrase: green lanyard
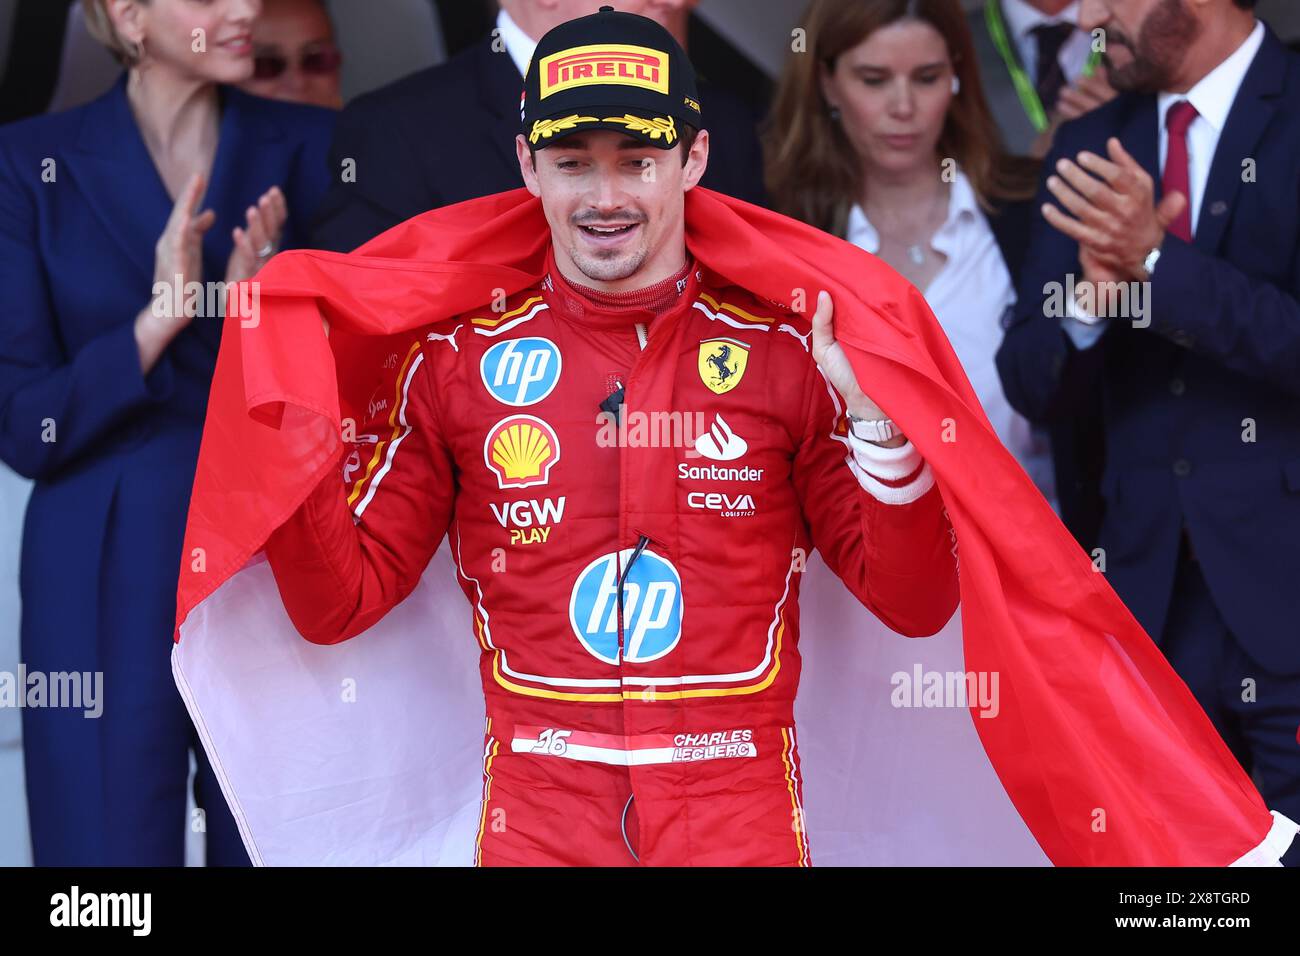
(1019,78)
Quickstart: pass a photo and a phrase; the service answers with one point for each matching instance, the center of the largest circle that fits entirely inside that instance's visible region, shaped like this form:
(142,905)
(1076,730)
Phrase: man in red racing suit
(676,436)
(489,425)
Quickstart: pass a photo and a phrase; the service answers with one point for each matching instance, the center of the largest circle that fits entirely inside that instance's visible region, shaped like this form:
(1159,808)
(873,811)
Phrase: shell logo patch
(722,363)
(521,450)
(598,64)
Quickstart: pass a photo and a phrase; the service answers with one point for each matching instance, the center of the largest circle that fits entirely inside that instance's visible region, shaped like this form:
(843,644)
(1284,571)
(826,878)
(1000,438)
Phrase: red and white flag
(1042,725)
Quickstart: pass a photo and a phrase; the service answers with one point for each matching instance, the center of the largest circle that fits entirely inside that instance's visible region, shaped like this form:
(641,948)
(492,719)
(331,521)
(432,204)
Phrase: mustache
(1116,37)
(1116,40)
(627,216)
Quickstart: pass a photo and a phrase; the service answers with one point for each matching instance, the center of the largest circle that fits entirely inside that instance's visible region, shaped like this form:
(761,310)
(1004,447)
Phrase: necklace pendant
(916,254)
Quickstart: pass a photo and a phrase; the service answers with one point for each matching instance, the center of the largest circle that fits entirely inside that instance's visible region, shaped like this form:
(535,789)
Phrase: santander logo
(720,443)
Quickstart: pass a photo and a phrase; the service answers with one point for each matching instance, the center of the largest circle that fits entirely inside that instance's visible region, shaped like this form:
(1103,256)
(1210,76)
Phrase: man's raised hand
(830,358)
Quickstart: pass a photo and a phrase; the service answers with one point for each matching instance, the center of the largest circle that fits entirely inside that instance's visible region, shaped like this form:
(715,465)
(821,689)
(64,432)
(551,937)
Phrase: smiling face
(614,204)
(209,40)
(1146,40)
(892,91)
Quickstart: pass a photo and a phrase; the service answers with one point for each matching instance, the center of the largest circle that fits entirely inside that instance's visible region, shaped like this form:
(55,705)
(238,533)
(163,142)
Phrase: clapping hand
(1110,210)
(259,238)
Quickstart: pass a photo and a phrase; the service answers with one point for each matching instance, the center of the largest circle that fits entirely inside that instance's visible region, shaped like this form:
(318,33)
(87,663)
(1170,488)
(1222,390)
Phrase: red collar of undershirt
(618,309)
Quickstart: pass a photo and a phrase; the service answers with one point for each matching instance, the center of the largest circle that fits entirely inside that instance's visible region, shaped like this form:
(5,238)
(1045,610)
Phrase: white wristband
(870,460)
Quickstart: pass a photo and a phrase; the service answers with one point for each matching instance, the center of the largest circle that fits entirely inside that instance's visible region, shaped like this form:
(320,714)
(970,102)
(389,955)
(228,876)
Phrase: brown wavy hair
(813,172)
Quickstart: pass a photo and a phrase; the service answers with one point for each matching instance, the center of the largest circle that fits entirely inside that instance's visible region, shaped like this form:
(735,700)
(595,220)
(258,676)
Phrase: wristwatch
(872,429)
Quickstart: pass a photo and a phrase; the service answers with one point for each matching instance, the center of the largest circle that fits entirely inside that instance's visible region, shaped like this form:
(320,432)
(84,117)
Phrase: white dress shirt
(1021,19)
(1213,97)
(968,297)
(519,44)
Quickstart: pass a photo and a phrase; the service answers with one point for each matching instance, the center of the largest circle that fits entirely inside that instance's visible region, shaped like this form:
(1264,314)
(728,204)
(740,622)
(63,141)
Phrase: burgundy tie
(1177,177)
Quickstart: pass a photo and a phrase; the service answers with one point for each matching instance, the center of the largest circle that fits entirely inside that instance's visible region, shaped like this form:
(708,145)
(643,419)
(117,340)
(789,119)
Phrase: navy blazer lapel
(1251,112)
(111,167)
(247,163)
(1140,136)
(501,86)
(239,166)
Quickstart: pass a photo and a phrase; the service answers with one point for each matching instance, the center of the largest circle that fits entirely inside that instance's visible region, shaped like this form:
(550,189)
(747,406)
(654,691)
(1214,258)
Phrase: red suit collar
(619,310)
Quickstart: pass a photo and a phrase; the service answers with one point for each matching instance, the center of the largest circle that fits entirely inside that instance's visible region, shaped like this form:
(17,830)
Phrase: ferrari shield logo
(722,364)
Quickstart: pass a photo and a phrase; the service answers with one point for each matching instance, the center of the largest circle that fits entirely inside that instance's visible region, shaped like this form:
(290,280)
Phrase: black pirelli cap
(609,70)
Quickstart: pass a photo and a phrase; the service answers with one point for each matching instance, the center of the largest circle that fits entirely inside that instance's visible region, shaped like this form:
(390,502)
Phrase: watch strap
(1149,263)
(872,429)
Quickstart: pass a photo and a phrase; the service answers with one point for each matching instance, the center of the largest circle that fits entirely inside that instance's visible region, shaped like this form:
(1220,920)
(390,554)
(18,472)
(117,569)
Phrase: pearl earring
(956,85)
(835,114)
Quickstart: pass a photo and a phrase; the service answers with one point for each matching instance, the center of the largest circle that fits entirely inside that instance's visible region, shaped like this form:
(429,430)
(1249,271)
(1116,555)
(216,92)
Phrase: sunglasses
(317,61)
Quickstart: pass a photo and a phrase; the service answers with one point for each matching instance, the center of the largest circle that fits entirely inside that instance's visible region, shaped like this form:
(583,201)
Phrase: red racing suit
(651,723)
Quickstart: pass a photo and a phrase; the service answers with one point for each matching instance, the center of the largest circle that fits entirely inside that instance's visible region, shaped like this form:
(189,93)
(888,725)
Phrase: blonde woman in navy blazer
(102,398)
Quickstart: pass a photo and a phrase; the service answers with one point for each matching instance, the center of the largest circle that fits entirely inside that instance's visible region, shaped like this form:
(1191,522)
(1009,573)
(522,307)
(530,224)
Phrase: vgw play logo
(521,372)
(652,607)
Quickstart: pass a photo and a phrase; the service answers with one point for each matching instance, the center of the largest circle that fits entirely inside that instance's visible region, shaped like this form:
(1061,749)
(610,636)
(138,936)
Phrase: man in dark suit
(1033,62)
(447,134)
(1177,228)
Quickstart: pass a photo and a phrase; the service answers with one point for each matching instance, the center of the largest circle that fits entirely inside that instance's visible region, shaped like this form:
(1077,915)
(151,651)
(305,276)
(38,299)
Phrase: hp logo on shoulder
(652,608)
(521,372)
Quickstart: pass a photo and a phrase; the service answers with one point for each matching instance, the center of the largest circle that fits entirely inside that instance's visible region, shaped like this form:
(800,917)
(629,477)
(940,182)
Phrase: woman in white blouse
(880,134)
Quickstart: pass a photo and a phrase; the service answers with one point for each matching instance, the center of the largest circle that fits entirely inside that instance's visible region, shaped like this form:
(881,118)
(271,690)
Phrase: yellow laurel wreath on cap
(654,128)
(548,128)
